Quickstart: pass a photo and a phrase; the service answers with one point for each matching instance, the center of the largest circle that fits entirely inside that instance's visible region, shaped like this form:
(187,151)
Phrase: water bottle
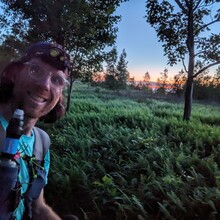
(9,169)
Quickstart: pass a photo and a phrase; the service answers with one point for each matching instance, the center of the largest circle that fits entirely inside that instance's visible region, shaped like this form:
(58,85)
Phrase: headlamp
(49,53)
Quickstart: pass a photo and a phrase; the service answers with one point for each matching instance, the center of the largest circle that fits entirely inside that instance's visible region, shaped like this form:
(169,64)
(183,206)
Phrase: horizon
(138,38)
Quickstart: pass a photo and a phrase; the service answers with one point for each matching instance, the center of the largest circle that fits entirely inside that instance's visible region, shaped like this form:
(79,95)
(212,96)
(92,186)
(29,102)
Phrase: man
(35,84)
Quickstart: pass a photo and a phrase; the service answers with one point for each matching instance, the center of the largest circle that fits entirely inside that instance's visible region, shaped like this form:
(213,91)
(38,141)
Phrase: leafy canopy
(84,27)
(183,21)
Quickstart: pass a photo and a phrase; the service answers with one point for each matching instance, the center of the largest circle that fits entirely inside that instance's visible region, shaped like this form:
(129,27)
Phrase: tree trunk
(68,98)
(190,46)
(69,94)
(188,99)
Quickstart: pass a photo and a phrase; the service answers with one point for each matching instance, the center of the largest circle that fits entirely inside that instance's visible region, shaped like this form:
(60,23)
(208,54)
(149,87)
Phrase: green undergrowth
(117,159)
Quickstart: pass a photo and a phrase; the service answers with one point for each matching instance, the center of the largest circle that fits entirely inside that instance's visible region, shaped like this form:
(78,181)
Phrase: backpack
(41,146)
(41,142)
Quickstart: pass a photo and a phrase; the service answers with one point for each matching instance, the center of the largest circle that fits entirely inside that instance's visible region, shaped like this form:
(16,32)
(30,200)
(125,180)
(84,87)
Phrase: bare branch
(205,68)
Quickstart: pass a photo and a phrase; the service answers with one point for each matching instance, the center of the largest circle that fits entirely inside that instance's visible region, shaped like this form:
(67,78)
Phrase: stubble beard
(33,113)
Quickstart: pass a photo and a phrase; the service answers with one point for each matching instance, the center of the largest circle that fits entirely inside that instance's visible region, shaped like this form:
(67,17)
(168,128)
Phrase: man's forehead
(45,65)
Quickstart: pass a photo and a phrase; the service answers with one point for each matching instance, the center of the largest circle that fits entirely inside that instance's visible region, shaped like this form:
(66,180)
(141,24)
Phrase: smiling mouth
(37,98)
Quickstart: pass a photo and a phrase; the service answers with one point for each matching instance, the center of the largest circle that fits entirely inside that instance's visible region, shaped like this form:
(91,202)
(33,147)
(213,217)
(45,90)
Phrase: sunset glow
(138,38)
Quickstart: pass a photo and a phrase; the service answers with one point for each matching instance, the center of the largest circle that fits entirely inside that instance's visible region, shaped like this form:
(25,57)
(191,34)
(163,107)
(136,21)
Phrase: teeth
(37,98)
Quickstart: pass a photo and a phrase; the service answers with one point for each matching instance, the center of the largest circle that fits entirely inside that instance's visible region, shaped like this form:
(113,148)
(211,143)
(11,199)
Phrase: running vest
(40,148)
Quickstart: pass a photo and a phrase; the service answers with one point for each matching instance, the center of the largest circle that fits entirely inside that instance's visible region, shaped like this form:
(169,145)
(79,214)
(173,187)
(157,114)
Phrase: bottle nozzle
(19,113)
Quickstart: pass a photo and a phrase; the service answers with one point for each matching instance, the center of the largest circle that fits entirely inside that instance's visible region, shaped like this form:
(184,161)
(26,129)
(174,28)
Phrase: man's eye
(36,71)
(57,80)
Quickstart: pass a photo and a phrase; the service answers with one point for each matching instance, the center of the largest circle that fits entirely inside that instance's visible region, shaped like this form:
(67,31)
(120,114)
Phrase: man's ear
(15,73)
(11,73)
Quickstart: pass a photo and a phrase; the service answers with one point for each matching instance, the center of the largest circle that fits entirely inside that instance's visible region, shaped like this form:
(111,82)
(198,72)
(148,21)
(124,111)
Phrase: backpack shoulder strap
(41,143)
(41,146)
(2,136)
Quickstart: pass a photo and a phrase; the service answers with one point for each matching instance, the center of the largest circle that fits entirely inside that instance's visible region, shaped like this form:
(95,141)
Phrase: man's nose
(45,82)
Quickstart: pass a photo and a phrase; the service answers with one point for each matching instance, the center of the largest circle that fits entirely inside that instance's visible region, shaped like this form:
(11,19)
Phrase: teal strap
(2,137)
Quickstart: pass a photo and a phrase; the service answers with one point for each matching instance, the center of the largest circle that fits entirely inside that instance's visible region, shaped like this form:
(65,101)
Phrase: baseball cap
(51,53)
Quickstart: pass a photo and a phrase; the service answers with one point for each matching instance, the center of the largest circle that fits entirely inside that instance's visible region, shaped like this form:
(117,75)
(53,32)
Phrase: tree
(98,79)
(84,27)
(146,77)
(111,71)
(179,82)
(203,87)
(7,52)
(146,81)
(131,82)
(216,80)
(122,74)
(216,84)
(116,75)
(181,28)
(162,81)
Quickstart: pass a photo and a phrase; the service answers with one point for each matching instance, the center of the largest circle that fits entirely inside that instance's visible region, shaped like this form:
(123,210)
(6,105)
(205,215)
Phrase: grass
(114,158)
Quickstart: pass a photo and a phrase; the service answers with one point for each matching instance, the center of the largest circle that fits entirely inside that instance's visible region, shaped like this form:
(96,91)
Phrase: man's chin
(34,114)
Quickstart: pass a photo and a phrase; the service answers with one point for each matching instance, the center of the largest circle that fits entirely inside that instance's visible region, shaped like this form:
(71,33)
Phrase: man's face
(37,94)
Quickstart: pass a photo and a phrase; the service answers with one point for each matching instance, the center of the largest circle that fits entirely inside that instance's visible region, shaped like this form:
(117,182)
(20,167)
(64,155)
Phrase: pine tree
(122,74)
(111,71)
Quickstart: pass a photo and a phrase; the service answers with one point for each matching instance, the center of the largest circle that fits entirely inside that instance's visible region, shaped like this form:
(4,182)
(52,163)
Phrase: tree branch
(205,51)
(184,65)
(200,52)
(206,25)
(181,6)
(197,5)
(205,68)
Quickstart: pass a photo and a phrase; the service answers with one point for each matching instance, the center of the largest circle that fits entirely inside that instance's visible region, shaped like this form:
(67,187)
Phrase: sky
(138,38)
(144,52)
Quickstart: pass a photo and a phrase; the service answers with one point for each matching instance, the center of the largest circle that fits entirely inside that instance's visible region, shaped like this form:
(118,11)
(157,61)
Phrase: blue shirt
(26,144)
